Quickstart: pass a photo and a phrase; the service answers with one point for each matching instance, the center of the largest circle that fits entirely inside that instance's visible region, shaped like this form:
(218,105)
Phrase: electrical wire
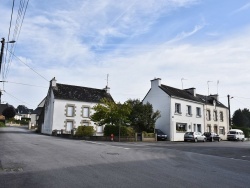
(15,33)
(13,5)
(25,84)
(16,98)
(30,68)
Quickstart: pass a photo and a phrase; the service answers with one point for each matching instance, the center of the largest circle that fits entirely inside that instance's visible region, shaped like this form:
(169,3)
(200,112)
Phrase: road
(32,160)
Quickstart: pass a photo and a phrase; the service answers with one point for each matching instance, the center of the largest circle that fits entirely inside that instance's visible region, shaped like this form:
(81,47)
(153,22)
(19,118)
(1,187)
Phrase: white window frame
(177,108)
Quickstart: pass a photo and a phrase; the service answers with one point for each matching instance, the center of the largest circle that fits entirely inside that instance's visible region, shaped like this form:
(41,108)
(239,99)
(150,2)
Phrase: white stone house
(67,107)
(181,110)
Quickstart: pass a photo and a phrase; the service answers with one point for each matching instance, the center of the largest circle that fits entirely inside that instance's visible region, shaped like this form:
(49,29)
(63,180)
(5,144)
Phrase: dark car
(194,136)
(212,136)
(160,135)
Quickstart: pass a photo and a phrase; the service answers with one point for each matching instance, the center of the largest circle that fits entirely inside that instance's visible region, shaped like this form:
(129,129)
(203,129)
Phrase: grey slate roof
(78,93)
(171,91)
(184,94)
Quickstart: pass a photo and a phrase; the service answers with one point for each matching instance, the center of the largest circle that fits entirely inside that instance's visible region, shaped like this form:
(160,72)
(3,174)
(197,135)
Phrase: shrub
(2,124)
(148,135)
(85,131)
(112,129)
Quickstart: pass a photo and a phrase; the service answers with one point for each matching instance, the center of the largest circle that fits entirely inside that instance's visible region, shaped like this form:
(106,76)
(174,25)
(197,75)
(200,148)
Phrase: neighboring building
(36,114)
(181,110)
(67,107)
(216,115)
(23,112)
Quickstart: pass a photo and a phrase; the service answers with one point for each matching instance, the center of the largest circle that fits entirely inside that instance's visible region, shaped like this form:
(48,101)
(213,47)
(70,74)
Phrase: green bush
(124,131)
(2,124)
(85,131)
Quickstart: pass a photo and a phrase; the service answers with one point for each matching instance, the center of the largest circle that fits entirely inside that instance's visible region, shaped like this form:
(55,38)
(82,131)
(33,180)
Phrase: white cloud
(243,8)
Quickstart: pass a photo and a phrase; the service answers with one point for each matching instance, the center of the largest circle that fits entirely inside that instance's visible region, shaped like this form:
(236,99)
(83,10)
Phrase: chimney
(215,96)
(192,91)
(53,82)
(107,89)
(155,82)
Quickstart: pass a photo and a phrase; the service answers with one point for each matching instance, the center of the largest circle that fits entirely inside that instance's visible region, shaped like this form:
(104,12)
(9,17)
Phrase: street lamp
(2,48)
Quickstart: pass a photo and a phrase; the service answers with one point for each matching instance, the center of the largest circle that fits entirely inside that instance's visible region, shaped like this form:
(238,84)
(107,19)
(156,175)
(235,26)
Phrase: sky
(203,44)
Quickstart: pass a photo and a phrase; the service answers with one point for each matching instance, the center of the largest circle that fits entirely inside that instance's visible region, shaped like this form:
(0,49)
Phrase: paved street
(33,160)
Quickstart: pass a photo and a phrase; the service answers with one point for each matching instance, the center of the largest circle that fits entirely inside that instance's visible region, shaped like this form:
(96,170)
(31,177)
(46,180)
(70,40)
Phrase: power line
(13,4)
(16,98)
(25,84)
(16,33)
(30,67)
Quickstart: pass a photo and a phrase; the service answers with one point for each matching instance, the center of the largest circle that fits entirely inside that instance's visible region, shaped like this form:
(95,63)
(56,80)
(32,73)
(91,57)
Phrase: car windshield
(232,132)
(189,133)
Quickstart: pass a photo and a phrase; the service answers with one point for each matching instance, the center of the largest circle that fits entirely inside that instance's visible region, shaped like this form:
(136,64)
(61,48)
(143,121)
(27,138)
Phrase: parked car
(160,135)
(194,136)
(212,136)
(235,134)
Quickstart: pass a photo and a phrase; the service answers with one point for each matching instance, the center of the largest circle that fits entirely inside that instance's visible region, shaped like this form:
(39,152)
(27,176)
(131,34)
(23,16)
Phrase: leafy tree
(108,112)
(241,118)
(142,116)
(9,112)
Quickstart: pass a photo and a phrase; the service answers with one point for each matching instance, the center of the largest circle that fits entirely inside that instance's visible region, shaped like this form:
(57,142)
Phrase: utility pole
(228,98)
(1,55)
(1,59)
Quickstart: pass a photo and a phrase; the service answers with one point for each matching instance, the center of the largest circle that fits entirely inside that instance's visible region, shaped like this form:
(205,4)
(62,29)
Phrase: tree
(241,118)
(142,116)
(108,112)
(9,112)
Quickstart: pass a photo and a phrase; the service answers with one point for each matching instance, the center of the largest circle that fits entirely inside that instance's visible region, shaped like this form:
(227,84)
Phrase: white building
(181,110)
(67,107)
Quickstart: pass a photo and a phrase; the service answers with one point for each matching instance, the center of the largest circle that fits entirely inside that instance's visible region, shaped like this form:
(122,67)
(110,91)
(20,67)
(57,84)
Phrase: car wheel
(242,140)
(195,140)
(219,140)
(185,140)
(204,140)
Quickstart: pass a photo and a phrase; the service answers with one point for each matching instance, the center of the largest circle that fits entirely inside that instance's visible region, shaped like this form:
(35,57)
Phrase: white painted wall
(60,118)
(48,114)
(160,101)
(191,121)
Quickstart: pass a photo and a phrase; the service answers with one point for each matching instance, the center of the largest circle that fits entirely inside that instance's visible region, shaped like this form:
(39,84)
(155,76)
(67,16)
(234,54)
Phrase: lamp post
(1,57)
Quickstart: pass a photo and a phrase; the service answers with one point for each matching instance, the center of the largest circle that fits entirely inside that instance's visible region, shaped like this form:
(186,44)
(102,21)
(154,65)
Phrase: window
(222,130)
(221,116)
(181,127)
(198,112)
(85,111)
(216,129)
(189,110)
(70,111)
(209,128)
(178,108)
(69,125)
(199,127)
(215,115)
(208,115)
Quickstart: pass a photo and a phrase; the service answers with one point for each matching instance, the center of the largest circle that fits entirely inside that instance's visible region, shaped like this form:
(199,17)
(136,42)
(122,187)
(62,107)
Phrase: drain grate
(14,169)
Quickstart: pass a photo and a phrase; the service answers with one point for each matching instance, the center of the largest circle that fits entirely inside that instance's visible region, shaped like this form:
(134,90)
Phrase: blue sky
(79,42)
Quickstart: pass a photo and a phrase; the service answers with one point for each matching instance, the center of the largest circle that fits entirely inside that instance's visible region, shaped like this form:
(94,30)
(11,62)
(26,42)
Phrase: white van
(235,134)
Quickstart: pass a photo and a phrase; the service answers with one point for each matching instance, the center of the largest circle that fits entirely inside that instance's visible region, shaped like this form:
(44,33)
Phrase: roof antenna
(107,80)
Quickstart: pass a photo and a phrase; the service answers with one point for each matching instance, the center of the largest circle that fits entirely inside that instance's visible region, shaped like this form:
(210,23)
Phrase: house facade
(67,107)
(181,110)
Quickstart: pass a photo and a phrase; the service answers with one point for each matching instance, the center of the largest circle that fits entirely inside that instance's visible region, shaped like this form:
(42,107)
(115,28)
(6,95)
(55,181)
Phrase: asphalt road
(31,160)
